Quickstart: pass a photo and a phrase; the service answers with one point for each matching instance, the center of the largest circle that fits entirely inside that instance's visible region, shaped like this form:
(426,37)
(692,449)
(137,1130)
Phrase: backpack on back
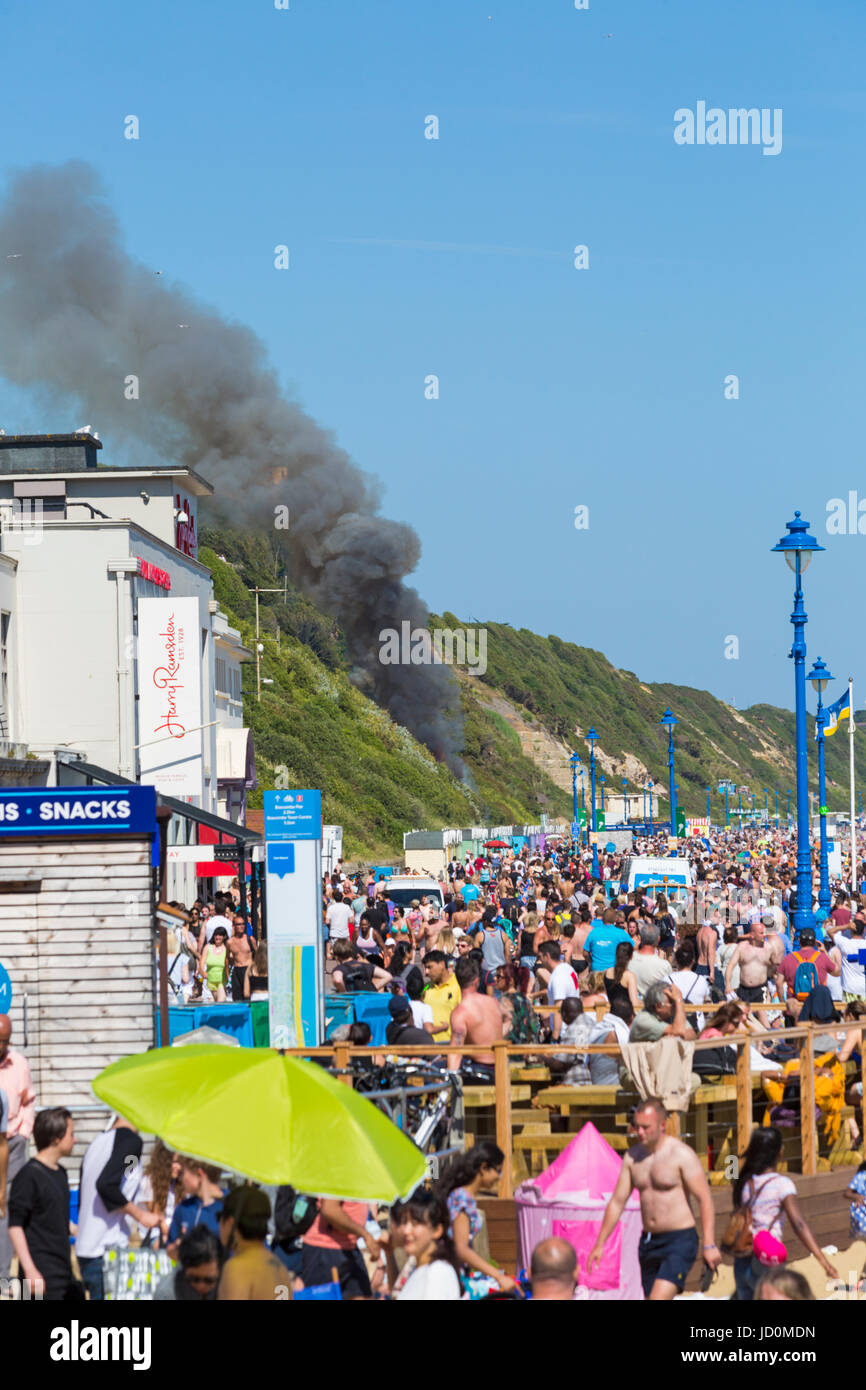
(294,1213)
(356,978)
(806,975)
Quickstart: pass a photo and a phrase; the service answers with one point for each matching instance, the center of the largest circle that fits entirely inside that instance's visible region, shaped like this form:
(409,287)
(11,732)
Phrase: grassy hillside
(537,699)
(569,688)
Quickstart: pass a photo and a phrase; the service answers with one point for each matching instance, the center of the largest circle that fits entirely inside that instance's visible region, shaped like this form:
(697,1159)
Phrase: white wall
(9,604)
(429,861)
(68,654)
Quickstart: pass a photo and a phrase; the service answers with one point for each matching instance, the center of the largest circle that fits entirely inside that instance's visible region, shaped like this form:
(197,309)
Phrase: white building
(83,545)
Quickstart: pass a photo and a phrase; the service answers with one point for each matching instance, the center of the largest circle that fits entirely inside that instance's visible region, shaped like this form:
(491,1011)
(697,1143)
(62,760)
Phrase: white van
(673,877)
(403,888)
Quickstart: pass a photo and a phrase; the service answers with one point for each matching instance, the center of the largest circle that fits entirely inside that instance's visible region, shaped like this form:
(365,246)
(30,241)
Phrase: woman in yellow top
(214,964)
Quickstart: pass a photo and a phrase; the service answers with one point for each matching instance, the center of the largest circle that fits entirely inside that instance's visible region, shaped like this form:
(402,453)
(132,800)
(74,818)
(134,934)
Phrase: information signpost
(293,860)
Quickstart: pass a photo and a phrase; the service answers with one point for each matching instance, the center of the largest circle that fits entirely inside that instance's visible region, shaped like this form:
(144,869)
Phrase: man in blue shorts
(667,1174)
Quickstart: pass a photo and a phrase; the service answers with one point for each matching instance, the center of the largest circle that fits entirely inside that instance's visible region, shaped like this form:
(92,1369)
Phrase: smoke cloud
(78,314)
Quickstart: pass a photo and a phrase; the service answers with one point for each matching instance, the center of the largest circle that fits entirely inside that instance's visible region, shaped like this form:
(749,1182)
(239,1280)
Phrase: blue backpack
(806,975)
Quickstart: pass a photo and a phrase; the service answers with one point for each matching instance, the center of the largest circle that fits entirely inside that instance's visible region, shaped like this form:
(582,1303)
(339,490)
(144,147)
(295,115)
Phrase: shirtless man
(431,929)
(252,1274)
(666,1173)
(460,916)
(477,1018)
(707,941)
(240,956)
(758,960)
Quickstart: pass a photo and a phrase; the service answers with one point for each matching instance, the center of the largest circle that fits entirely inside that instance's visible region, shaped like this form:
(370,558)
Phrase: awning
(235,759)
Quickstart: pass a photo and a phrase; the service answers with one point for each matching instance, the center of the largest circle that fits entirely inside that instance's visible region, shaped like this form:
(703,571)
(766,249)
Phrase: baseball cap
(399,1004)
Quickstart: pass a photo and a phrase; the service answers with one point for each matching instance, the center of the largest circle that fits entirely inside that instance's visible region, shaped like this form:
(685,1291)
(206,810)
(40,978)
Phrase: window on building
(220,675)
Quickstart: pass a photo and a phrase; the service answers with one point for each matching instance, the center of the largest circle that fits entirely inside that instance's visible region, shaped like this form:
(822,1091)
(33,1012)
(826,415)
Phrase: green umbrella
(272,1118)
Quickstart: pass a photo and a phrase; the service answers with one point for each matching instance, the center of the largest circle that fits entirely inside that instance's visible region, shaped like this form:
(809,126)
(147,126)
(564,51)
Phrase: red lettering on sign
(184,531)
(153,574)
(167,678)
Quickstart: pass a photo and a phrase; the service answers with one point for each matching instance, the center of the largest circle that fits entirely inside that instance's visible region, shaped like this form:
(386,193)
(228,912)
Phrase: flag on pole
(840,709)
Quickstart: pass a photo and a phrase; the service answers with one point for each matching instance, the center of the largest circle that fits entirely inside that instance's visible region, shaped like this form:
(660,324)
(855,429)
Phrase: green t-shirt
(647,1028)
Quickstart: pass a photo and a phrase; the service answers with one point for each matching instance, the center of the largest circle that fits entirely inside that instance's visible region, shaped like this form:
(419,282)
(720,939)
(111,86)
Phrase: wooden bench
(477,1097)
(534,1073)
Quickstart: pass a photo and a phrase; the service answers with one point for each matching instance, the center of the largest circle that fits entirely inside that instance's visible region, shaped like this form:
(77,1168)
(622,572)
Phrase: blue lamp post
(669,721)
(593,740)
(798,548)
(574,764)
(727,786)
(820,678)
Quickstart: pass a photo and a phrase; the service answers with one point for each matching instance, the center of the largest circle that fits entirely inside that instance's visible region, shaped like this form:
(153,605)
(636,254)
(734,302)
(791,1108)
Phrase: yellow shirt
(443,1000)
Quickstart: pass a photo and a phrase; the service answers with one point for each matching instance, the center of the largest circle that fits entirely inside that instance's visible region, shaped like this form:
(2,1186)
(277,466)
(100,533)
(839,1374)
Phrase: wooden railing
(503,1054)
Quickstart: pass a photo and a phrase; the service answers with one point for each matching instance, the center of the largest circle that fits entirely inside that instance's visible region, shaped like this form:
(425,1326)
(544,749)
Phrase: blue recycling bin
(358,1007)
(234,1019)
(373,1010)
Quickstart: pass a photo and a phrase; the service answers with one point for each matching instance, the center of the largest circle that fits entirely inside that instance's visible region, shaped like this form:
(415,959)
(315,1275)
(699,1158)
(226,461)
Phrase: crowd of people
(524,946)
(213,956)
(529,947)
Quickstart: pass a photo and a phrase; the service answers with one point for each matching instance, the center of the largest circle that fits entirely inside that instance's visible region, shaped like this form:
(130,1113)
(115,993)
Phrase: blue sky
(409,257)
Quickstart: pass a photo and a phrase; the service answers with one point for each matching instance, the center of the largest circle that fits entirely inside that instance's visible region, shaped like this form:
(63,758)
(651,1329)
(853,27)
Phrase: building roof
(200,486)
(19,441)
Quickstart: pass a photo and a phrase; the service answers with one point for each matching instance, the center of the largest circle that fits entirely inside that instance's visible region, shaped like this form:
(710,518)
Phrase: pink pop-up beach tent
(568,1200)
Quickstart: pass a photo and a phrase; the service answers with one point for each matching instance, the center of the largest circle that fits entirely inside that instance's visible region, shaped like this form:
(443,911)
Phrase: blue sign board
(293,815)
(78,811)
(281,858)
(5,990)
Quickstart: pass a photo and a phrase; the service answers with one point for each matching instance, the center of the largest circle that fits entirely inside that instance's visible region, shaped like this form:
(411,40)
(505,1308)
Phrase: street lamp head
(819,676)
(797,542)
(592,737)
(668,720)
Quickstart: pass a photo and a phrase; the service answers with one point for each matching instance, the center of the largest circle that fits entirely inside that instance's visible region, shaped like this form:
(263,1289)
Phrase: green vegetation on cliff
(313,728)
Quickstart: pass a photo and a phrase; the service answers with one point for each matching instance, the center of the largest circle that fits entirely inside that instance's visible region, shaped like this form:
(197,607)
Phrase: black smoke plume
(78,315)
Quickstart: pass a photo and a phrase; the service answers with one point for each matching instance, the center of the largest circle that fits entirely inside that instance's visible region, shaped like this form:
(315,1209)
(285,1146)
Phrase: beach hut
(568,1200)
